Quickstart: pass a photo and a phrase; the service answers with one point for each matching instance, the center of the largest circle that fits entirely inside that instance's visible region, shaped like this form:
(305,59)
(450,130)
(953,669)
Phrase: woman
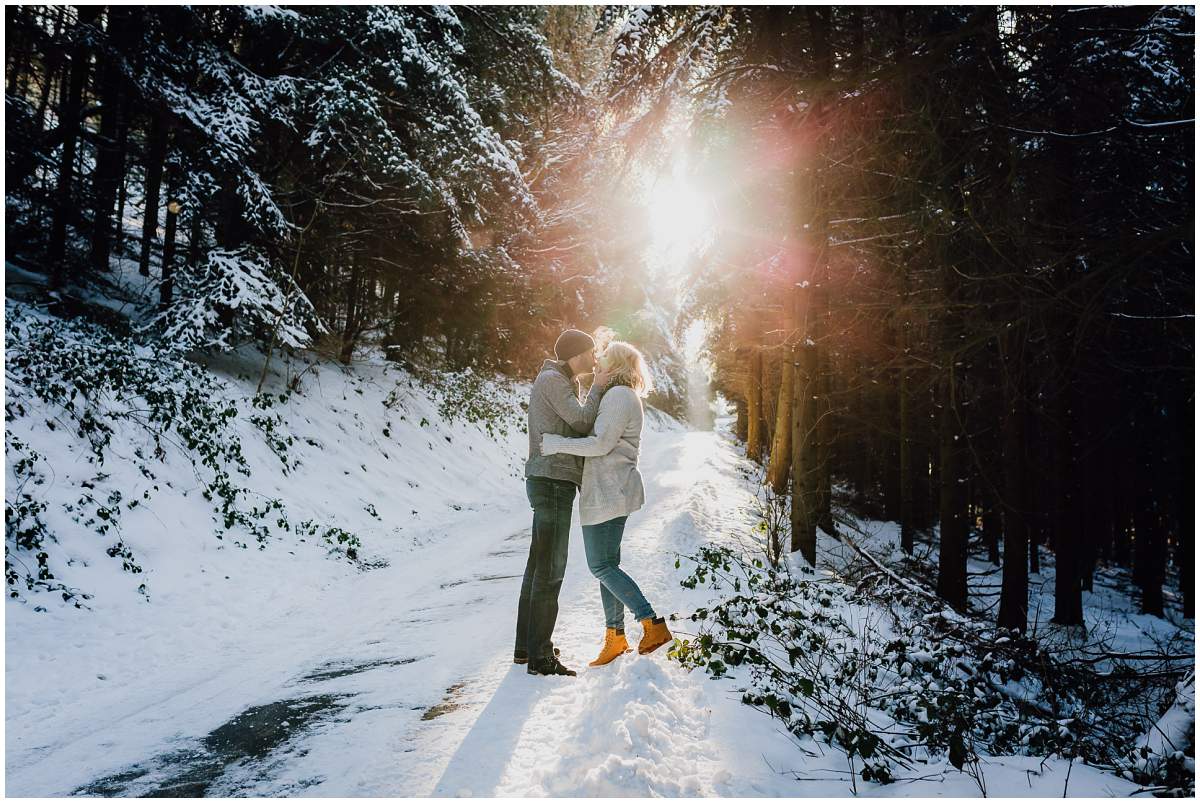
(612,489)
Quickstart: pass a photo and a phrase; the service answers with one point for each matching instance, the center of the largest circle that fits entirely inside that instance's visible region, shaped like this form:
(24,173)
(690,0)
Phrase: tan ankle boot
(614,646)
(654,635)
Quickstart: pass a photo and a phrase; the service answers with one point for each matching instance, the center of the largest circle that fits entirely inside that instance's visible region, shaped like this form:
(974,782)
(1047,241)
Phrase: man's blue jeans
(618,591)
(537,610)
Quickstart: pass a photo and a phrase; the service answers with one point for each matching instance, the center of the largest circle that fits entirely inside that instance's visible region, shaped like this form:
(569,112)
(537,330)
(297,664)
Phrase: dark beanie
(572,343)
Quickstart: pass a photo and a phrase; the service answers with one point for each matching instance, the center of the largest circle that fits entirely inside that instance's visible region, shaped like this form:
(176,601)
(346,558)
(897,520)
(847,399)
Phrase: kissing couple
(590,446)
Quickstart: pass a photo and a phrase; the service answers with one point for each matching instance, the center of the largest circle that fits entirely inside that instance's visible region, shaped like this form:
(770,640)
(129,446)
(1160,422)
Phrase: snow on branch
(236,292)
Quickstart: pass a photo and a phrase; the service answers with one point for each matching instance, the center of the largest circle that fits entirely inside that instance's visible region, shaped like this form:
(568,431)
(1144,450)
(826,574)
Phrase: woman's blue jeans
(618,591)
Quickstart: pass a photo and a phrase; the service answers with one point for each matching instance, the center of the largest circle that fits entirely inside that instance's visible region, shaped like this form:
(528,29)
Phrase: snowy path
(641,725)
(399,682)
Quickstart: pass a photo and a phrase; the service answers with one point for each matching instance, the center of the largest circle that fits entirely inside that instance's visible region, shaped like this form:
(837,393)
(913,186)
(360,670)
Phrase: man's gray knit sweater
(554,408)
(612,484)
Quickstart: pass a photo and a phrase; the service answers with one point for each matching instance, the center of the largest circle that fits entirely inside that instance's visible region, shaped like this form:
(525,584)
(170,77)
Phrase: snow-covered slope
(399,476)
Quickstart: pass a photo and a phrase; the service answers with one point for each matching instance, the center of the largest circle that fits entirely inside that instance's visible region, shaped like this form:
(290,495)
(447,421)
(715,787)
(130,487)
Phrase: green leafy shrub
(337,539)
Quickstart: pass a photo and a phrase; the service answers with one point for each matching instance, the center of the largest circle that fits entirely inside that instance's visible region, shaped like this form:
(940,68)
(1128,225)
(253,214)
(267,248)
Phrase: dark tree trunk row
(70,113)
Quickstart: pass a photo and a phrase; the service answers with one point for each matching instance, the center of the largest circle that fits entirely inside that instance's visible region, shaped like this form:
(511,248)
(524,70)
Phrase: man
(550,483)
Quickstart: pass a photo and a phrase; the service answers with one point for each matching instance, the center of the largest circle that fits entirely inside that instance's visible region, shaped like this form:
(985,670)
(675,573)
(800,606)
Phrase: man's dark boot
(523,658)
(548,666)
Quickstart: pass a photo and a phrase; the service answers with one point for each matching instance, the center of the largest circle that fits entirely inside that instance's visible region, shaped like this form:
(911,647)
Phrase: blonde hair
(627,367)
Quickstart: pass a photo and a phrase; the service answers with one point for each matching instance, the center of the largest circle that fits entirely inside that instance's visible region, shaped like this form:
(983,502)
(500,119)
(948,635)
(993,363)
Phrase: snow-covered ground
(1113,621)
(288,672)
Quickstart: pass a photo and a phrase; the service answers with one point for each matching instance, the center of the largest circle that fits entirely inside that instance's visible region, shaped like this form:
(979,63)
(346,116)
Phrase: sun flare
(680,216)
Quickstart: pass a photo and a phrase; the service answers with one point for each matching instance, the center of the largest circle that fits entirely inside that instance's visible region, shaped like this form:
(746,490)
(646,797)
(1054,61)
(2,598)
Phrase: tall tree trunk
(908,467)
(952,434)
(952,552)
(350,331)
(69,118)
(754,393)
(54,59)
(1150,556)
(118,242)
(1124,469)
(1089,501)
(1150,541)
(770,397)
(195,235)
(110,154)
(742,423)
(1105,468)
(781,443)
(811,456)
(1060,199)
(1068,565)
(922,438)
(803,511)
(1186,505)
(911,472)
(933,486)
(1034,513)
(1014,583)
(821,20)
(889,443)
(864,459)
(991,523)
(167,284)
(824,412)
(156,153)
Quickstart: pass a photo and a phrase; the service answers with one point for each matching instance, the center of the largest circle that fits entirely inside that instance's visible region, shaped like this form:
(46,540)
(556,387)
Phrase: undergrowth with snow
(102,427)
(883,671)
(101,399)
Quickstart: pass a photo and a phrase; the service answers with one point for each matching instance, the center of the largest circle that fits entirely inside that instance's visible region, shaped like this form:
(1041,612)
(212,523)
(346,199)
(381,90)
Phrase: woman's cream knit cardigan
(612,484)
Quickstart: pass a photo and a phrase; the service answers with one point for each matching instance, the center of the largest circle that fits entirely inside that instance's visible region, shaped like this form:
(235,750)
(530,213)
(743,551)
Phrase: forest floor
(284,672)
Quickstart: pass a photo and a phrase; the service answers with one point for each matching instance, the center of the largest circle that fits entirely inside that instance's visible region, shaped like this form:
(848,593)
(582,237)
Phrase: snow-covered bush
(25,531)
(1164,758)
(102,390)
(469,396)
(236,293)
(892,689)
